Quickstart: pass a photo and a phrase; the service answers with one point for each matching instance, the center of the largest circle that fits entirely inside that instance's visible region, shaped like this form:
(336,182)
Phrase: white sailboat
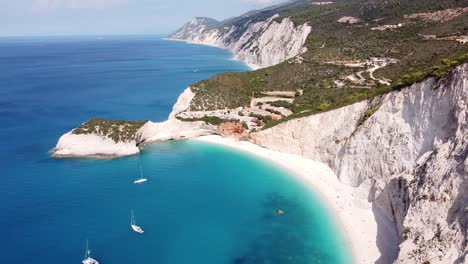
(141,179)
(88,259)
(134,226)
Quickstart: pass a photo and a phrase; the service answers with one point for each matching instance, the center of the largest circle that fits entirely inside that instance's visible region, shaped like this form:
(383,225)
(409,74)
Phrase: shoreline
(348,205)
(251,66)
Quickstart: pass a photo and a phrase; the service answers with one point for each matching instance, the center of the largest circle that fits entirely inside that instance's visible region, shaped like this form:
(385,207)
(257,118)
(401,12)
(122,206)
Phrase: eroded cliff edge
(257,42)
(410,153)
(108,139)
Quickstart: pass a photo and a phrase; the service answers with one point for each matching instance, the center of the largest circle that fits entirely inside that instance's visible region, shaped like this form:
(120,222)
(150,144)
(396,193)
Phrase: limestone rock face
(411,154)
(258,43)
(101,146)
(92,145)
(174,129)
(100,138)
(183,102)
(318,137)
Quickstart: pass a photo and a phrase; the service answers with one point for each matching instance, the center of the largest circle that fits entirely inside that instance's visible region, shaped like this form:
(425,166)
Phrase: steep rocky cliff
(100,138)
(409,148)
(104,138)
(259,43)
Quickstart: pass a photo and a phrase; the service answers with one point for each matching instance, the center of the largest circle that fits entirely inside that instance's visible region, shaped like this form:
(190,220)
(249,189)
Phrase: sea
(202,203)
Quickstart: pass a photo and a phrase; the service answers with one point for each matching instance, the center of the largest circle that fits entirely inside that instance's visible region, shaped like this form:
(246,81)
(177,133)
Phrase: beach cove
(196,192)
(348,205)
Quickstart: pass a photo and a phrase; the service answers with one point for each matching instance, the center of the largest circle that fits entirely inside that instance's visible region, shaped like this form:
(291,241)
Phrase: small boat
(88,259)
(141,179)
(134,226)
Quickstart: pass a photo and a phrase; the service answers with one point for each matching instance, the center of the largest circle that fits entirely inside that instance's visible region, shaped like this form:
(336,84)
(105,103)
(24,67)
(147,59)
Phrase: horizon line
(86,35)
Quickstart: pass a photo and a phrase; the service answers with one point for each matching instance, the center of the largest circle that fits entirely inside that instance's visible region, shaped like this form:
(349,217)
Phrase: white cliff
(173,128)
(411,155)
(183,102)
(92,145)
(257,43)
(96,145)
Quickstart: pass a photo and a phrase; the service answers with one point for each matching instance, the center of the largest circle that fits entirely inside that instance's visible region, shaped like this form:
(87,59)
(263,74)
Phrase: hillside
(355,50)
(410,157)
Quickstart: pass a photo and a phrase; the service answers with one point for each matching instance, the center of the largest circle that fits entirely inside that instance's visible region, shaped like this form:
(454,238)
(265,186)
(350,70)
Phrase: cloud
(45,5)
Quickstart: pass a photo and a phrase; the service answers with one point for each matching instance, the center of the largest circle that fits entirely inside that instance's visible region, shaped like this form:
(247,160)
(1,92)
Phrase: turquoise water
(202,204)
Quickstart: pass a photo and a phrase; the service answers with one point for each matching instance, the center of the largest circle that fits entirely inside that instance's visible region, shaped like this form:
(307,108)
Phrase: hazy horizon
(88,35)
(112,17)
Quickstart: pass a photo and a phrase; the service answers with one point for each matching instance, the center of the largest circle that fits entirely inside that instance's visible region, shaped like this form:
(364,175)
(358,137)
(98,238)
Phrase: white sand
(349,204)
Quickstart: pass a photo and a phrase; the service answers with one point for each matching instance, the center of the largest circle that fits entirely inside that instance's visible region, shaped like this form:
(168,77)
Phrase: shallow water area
(202,203)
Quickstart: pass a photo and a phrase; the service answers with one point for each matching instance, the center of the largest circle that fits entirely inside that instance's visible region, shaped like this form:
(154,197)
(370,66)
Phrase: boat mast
(87,250)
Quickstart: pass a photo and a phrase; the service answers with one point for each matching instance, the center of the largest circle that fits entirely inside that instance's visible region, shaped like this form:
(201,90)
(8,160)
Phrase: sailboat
(88,259)
(134,226)
(141,179)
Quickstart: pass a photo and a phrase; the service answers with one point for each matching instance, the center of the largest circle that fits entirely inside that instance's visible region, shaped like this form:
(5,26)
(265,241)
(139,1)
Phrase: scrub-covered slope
(355,50)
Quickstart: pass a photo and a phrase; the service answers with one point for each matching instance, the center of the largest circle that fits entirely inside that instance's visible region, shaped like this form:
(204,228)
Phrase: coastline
(352,212)
(356,218)
(252,67)
(92,146)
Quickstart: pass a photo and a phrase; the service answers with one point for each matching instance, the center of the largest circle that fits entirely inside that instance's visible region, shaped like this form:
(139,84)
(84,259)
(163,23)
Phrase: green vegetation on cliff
(415,48)
(117,130)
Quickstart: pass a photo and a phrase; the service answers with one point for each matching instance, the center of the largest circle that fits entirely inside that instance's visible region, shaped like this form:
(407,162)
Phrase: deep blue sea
(202,204)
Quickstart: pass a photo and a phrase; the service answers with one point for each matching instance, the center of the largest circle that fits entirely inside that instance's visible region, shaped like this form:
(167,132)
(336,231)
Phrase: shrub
(281,103)
(212,120)
(264,119)
(324,106)
(273,111)
(436,71)
(368,113)
(409,79)
(117,130)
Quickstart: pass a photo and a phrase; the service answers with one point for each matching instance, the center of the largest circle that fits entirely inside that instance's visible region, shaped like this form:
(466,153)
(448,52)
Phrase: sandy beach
(354,213)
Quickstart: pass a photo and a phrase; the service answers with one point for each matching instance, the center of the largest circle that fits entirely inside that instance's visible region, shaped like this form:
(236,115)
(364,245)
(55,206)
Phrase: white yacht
(134,226)
(88,259)
(141,179)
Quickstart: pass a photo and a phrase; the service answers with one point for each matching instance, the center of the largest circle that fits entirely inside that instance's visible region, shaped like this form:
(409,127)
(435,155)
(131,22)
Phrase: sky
(112,17)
